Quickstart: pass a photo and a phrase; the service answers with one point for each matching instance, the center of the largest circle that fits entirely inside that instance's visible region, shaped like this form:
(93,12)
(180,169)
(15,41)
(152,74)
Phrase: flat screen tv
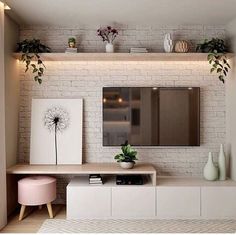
(151,116)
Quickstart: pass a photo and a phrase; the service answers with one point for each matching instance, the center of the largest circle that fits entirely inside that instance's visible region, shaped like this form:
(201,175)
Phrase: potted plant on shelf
(217,57)
(30,50)
(108,34)
(71,42)
(128,156)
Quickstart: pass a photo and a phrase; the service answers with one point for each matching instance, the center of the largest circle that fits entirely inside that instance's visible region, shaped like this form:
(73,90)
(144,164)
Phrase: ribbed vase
(222,163)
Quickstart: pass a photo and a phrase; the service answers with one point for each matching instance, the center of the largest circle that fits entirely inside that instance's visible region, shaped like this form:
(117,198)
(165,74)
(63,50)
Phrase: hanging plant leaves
(216,57)
(30,50)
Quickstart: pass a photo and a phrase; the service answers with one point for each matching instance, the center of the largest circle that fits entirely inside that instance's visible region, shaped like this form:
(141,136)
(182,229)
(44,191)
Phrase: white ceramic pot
(127,165)
(210,171)
(168,43)
(109,48)
(222,164)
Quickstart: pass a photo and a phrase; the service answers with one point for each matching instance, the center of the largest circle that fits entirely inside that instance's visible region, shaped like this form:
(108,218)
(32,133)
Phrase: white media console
(166,197)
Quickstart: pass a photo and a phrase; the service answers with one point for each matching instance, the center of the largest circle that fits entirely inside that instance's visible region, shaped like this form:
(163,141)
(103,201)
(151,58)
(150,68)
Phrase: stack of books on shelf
(71,50)
(95,179)
(138,50)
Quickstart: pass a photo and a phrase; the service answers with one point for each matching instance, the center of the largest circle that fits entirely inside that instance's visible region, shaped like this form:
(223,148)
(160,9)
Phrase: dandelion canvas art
(56,131)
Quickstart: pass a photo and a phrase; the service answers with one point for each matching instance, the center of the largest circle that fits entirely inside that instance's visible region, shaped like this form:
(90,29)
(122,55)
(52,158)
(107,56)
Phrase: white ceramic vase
(168,43)
(127,165)
(222,164)
(109,48)
(210,171)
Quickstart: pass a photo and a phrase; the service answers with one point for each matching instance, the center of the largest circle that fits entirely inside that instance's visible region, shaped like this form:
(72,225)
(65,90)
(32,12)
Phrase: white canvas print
(56,131)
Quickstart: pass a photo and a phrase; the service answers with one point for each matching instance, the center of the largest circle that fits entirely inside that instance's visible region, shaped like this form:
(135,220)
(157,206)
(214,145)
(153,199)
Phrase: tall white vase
(210,171)
(222,164)
(168,43)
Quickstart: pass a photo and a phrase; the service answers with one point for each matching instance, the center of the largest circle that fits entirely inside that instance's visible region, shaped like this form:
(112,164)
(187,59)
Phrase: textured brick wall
(129,36)
(86,79)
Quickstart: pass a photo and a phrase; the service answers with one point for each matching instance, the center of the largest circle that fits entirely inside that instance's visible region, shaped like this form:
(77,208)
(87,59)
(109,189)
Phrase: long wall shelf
(123,56)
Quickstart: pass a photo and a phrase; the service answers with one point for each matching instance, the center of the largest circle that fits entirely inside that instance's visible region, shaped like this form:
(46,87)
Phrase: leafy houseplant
(30,50)
(217,58)
(127,157)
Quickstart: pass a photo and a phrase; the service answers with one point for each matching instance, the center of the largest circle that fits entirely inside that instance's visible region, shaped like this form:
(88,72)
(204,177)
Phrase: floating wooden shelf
(85,169)
(123,56)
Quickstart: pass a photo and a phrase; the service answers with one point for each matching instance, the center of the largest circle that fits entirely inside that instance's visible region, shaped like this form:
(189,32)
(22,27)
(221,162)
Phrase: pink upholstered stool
(36,191)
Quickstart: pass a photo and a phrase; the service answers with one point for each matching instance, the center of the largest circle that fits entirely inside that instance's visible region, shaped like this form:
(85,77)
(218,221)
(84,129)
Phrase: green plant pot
(127,165)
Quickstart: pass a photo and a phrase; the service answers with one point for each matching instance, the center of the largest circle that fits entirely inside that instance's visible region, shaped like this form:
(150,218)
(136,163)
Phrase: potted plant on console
(128,156)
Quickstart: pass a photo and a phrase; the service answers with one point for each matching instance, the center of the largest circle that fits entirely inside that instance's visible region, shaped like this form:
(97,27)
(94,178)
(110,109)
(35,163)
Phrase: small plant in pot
(127,158)
(71,42)
(217,58)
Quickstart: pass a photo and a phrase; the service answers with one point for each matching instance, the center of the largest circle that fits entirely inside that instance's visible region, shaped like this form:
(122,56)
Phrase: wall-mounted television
(151,116)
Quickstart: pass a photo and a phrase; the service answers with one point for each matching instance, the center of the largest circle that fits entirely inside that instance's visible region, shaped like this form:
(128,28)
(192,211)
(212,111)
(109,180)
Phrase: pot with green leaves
(217,56)
(127,158)
(30,50)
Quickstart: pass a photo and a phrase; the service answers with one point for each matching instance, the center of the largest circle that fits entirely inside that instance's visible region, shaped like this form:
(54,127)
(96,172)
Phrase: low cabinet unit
(218,202)
(133,201)
(178,202)
(86,201)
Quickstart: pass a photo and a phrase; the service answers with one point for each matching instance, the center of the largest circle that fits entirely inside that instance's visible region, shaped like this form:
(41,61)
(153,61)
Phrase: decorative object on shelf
(222,164)
(108,34)
(210,171)
(138,50)
(128,156)
(72,42)
(217,58)
(181,46)
(168,43)
(71,46)
(58,122)
(30,50)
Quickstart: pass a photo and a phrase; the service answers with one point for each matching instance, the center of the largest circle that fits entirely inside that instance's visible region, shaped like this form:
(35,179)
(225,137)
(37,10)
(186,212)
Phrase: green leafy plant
(128,154)
(30,50)
(217,57)
(73,40)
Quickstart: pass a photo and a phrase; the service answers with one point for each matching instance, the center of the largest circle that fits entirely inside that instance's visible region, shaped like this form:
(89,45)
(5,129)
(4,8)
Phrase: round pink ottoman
(36,191)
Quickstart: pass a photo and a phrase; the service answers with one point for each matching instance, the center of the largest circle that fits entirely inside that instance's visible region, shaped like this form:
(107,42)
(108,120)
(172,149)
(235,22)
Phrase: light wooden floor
(33,220)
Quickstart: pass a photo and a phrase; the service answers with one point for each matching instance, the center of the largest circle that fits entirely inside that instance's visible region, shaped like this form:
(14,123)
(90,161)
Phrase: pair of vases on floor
(211,171)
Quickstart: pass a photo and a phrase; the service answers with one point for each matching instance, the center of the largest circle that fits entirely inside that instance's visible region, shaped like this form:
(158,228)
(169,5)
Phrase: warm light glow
(190,88)
(154,88)
(104,100)
(120,100)
(6,7)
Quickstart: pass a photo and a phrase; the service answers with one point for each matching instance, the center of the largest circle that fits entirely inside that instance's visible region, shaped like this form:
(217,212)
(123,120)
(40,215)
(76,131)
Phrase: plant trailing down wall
(30,50)
(217,58)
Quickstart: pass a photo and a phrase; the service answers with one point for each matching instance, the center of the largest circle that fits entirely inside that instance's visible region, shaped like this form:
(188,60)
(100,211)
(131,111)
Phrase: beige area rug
(138,226)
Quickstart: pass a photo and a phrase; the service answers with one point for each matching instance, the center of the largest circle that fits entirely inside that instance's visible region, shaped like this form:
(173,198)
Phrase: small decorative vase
(71,45)
(109,47)
(181,46)
(168,43)
(222,164)
(210,171)
(127,165)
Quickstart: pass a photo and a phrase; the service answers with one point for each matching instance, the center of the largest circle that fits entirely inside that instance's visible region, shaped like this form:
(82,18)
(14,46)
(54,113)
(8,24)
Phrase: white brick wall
(129,36)
(86,79)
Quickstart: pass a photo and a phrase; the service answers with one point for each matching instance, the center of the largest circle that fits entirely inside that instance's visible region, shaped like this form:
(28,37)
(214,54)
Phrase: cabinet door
(178,202)
(218,202)
(88,202)
(133,201)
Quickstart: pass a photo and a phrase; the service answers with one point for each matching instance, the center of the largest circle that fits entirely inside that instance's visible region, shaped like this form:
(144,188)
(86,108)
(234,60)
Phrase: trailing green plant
(30,50)
(73,40)
(217,57)
(128,154)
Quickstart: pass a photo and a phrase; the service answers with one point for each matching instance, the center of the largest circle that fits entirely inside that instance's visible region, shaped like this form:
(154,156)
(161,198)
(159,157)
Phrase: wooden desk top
(86,168)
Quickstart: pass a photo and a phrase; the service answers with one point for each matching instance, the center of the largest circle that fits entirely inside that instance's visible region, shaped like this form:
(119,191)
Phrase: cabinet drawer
(178,202)
(88,202)
(218,202)
(133,201)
